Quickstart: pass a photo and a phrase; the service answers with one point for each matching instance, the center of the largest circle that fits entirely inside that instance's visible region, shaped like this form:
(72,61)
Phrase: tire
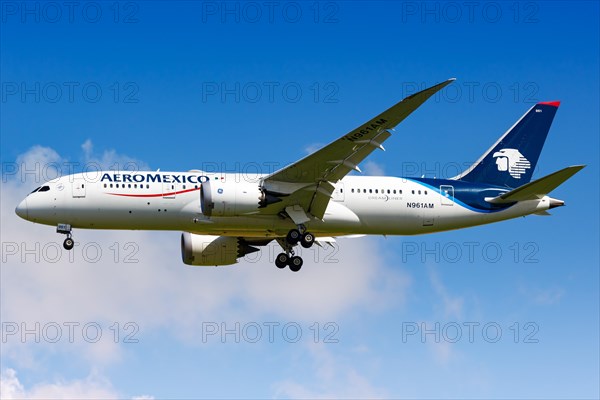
(282,260)
(68,243)
(295,263)
(293,237)
(307,240)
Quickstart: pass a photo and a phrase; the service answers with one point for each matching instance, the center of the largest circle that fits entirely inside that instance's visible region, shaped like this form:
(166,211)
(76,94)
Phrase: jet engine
(229,199)
(209,250)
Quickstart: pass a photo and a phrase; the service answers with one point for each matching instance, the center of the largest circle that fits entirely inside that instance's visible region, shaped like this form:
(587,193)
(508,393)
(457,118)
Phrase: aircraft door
(447,192)
(168,190)
(338,193)
(78,188)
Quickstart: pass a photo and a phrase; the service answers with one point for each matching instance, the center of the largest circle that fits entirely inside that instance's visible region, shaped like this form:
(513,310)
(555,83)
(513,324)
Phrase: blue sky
(184,85)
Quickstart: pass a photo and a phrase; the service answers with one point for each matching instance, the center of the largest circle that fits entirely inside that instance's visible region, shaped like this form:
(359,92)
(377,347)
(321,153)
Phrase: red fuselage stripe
(154,194)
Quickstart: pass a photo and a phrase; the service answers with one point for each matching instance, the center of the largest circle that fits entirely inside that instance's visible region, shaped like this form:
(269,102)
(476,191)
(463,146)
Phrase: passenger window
(413,192)
(419,192)
(370,190)
(147,186)
(352,191)
(426,192)
(400,191)
(388,191)
(376,191)
(341,190)
(394,191)
(111,185)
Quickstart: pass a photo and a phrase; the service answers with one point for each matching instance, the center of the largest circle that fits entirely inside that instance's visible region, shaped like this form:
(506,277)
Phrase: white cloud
(330,377)
(452,306)
(543,296)
(311,148)
(372,168)
(38,155)
(87,148)
(92,387)
(41,164)
(110,159)
(442,351)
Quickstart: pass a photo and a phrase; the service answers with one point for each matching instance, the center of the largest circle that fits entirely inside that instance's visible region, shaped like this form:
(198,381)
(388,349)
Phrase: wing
(308,183)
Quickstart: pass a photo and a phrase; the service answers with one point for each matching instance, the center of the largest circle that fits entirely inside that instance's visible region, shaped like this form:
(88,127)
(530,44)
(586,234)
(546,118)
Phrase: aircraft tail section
(511,160)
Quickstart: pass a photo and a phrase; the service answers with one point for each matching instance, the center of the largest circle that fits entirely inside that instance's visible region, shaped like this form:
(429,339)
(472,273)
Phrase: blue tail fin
(511,160)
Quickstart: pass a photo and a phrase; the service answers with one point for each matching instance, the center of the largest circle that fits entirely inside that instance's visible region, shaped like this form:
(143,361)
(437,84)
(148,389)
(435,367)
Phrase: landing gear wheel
(307,240)
(293,237)
(282,260)
(295,263)
(68,243)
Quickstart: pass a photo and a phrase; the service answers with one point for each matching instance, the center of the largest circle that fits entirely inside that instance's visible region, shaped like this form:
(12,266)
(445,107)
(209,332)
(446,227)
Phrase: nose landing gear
(66,230)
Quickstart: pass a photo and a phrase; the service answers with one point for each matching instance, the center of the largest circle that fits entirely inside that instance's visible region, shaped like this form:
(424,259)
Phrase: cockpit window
(44,188)
(35,190)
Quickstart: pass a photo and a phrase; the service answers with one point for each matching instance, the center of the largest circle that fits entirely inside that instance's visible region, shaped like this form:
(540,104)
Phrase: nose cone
(21,209)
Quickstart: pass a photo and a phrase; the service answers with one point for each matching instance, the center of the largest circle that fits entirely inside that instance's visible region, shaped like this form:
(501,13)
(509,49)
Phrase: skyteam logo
(513,161)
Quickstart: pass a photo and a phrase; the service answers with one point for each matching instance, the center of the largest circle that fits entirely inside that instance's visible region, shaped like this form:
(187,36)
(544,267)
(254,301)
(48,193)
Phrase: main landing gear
(288,257)
(66,230)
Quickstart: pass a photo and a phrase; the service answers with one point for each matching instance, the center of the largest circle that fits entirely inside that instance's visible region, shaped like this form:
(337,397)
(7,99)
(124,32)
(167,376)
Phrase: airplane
(224,216)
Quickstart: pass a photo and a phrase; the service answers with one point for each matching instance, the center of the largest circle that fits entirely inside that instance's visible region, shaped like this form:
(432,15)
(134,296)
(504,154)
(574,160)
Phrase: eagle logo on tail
(513,161)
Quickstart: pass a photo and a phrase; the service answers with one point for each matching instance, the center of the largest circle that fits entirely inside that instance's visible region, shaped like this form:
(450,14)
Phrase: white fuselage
(171,201)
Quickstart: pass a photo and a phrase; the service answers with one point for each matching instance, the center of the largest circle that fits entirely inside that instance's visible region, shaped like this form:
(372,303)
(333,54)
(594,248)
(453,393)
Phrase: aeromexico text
(154,177)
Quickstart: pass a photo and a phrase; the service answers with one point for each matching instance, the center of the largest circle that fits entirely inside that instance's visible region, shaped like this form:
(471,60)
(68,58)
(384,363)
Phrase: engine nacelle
(209,250)
(228,199)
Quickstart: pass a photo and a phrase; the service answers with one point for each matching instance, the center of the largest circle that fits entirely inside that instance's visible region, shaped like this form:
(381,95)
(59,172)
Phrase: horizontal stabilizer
(538,188)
